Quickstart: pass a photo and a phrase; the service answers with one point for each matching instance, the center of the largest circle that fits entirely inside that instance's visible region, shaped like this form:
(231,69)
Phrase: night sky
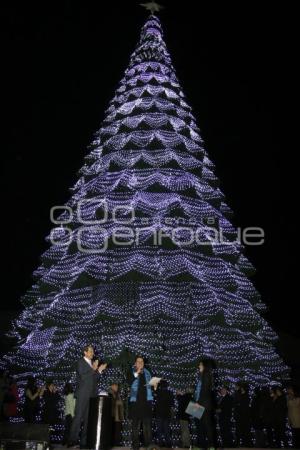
(62,63)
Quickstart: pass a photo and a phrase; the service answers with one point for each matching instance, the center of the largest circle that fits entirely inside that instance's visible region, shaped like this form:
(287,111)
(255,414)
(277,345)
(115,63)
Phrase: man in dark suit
(203,396)
(87,373)
(224,412)
(242,415)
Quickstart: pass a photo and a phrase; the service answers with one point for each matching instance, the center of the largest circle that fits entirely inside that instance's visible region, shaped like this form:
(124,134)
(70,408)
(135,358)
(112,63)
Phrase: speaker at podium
(99,432)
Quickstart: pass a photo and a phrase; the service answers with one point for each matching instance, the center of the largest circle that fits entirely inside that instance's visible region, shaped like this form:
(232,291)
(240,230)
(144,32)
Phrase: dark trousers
(163,431)
(67,430)
(147,432)
(280,434)
(30,414)
(80,418)
(185,433)
(270,436)
(296,437)
(260,440)
(226,433)
(243,433)
(204,427)
(117,431)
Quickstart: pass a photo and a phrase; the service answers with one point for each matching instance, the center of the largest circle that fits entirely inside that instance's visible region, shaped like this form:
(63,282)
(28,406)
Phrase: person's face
(139,363)
(89,353)
(223,392)
(201,367)
(51,387)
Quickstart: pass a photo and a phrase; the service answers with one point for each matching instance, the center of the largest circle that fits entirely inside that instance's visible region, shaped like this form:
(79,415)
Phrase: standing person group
(258,420)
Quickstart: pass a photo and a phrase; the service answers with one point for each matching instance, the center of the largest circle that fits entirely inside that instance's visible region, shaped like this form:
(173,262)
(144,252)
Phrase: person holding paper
(140,402)
(203,397)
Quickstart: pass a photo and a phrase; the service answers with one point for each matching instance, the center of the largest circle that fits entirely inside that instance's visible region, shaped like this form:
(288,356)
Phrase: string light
(172,305)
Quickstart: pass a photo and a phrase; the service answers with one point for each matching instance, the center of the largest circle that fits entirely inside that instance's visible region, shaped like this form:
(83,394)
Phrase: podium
(99,433)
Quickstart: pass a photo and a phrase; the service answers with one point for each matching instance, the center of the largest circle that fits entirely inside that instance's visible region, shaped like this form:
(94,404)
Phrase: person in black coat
(224,412)
(32,400)
(87,374)
(50,410)
(183,399)
(259,408)
(268,416)
(203,396)
(163,412)
(280,417)
(242,415)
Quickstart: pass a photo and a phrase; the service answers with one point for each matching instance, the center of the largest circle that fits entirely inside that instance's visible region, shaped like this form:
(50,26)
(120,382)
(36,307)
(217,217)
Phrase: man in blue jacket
(87,374)
(140,402)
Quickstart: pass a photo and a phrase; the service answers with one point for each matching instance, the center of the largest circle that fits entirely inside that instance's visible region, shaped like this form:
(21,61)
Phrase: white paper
(154,381)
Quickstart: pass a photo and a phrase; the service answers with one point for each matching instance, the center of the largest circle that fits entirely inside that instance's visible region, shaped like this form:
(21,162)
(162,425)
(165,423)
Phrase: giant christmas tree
(136,268)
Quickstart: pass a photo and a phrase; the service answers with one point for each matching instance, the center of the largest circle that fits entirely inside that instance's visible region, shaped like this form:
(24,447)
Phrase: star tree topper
(153,7)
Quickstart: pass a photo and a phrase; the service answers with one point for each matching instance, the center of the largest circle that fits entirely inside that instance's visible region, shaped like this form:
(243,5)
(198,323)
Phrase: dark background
(62,63)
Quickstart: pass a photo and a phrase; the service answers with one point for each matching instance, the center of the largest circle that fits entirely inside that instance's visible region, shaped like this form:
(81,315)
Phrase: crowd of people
(231,417)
